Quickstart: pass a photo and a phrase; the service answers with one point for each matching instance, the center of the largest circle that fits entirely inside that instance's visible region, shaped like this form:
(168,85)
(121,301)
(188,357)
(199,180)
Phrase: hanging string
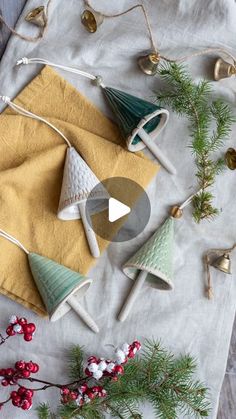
(207,263)
(189,200)
(29,114)
(205,51)
(142,7)
(29,38)
(73,70)
(13,240)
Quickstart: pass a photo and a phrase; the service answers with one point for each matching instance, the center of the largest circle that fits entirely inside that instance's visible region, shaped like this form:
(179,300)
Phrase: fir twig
(193,101)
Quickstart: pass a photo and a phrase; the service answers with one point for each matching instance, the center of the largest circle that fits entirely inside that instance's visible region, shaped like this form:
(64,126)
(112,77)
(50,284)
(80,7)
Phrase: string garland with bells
(92,19)
(153,260)
(59,287)
(222,263)
(37,17)
(117,386)
(78,181)
(140,122)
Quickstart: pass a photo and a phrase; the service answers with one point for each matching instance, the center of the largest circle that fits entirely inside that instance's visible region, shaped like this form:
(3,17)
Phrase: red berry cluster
(83,395)
(20,326)
(22,398)
(22,370)
(99,367)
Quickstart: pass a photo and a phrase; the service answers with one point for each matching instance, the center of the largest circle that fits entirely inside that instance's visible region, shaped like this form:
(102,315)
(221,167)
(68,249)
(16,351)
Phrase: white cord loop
(189,200)
(97,80)
(29,114)
(13,240)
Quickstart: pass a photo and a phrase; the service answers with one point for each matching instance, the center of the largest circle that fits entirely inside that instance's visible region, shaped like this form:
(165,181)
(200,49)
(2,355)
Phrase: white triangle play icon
(117,210)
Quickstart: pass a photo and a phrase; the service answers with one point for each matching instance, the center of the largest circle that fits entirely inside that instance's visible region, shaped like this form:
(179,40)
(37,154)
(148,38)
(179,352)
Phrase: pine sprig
(76,363)
(156,376)
(194,101)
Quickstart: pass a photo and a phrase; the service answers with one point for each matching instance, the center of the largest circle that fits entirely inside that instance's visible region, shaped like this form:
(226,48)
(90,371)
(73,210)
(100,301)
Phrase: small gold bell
(223,69)
(91,19)
(149,63)
(223,263)
(37,17)
(176,212)
(230,158)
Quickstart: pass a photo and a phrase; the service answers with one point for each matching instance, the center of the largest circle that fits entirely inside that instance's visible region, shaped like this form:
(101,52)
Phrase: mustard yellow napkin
(31,167)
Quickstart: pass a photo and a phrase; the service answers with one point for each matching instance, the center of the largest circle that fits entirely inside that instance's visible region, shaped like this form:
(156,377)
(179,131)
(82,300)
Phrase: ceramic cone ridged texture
(78,182)
(130,110)
(155,257)
(55,282)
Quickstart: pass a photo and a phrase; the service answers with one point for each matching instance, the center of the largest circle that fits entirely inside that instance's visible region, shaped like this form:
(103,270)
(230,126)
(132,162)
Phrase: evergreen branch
(193,101)
(76,363)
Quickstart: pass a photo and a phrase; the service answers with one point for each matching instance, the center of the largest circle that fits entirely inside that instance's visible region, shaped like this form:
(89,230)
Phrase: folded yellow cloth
(31,168)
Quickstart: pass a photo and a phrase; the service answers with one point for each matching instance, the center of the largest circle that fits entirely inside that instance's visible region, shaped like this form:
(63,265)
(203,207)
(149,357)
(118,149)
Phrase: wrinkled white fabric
(183,319)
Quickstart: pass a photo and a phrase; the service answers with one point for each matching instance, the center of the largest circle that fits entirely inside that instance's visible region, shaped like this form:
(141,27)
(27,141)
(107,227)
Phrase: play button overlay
(117,210)
(121,215)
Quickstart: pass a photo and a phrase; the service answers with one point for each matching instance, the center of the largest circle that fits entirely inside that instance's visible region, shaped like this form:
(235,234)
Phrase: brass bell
(91,19)
(230,158)
(37,17)
(176,212)
(149,63)
(223,263)
(223,69)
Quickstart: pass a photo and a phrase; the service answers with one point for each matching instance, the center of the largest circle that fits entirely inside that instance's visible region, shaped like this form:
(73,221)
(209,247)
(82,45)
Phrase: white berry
(102,365)
(125,348)
(17,328)
(97,375)
(110,367)
(13,319)
(93,367)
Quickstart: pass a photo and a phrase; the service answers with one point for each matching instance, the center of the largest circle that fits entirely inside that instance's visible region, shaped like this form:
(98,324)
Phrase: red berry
(10,331)
(115,378)
(22,321)
(14,394)
(35,368)
(28,394)
(26,404)
(87,372)
(92,359)
(131,354)
(21,391)
(137,344)
(25,373)
(73,395)
(32,327)
(90,395)
(29,366)
(2,372)
(119,369)
(96,389)
(16,401)
(4,382)
(83,388)
(20,365)
(10,371)
(65,391)
(28,337)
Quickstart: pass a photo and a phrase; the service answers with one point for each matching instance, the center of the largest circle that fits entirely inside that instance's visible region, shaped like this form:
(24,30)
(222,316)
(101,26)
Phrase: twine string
(207,264)
(142,7)
(29,114)
(205,51)
(30,38)
(189,200)
(13,240)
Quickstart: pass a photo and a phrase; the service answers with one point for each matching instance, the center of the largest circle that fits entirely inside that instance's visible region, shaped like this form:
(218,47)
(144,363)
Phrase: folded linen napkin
(31,168)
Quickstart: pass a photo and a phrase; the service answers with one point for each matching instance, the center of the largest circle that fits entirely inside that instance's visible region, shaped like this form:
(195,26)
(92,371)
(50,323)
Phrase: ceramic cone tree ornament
(59,287)
(78,182)
(153,262)
(140,121)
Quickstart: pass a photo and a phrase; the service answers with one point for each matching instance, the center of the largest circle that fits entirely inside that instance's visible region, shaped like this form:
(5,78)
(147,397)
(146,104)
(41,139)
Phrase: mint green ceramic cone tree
(152,263)
(59,287)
